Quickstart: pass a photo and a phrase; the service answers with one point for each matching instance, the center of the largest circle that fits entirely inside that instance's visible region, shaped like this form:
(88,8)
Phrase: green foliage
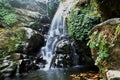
(117,32)
(97,42)
(8,18)
(93,43)
(3,12)
(11,43)
(80,22)
(102,46)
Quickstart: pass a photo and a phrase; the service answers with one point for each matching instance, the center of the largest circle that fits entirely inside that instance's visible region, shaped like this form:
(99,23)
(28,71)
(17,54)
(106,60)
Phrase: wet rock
(13,57)
(4,65)
(61,61)
(44,28)
(8,66)
(28,65)
(63,47)
(8,70)
(44,19)
(1,76)
(35,41)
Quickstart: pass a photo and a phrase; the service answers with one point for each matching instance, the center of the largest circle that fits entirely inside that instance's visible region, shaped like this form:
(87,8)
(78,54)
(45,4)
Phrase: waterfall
(47,14)
(57,31)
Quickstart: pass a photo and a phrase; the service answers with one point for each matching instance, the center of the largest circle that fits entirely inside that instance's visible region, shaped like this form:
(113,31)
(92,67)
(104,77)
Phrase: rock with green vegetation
(10,41)
(8,68)
(8,18)
(27,13)
(81,19)
(108,9)
(22,40)
(34,41)
(105,43)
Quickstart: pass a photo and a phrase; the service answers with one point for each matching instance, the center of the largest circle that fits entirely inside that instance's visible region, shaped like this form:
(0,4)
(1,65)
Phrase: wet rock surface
(20,64)
(27,58)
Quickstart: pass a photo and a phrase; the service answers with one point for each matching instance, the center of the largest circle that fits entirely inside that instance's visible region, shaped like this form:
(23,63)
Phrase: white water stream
(57,32)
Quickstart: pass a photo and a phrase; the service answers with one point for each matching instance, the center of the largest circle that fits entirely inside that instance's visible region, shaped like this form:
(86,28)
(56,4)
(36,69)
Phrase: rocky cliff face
(36,14)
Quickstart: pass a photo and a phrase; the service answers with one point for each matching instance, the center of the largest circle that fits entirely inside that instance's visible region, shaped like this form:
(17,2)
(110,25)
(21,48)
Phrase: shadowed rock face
(108,9)
(35,43)
(63,47)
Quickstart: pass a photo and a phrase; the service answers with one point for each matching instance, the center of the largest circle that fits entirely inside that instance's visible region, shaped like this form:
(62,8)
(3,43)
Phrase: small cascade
(57,32)
(75,56)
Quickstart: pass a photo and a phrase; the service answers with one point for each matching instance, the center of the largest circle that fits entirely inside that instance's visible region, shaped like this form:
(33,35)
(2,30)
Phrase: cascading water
(57,31)
(47,14)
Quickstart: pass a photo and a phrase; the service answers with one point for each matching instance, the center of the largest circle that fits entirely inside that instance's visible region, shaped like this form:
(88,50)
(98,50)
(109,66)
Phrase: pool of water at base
(52,74)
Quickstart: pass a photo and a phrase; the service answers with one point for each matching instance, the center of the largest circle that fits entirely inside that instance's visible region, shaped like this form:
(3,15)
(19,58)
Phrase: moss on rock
(10,40)
(105,44)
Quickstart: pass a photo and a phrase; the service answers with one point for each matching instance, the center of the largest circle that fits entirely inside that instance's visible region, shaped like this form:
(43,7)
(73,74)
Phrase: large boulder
(22,40)
(63,47)
(105,44)
(34,41)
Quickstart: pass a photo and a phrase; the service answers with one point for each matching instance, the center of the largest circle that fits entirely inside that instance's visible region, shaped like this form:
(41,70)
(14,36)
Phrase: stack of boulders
(28,57)
(63,54)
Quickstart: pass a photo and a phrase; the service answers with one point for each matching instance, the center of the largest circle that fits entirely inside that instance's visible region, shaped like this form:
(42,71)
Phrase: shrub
(11,41)
(3,12)
(10,19)
(80,22)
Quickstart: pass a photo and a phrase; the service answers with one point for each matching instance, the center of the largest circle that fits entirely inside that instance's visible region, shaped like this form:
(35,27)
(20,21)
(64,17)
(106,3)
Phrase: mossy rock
(107,31)
(10,40)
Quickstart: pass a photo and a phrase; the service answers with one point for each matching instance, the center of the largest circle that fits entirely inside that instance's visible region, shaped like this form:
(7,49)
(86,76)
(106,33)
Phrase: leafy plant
(80,22)
(102,46)
(117,32)
(3,12)
(10,19)
(11,43)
